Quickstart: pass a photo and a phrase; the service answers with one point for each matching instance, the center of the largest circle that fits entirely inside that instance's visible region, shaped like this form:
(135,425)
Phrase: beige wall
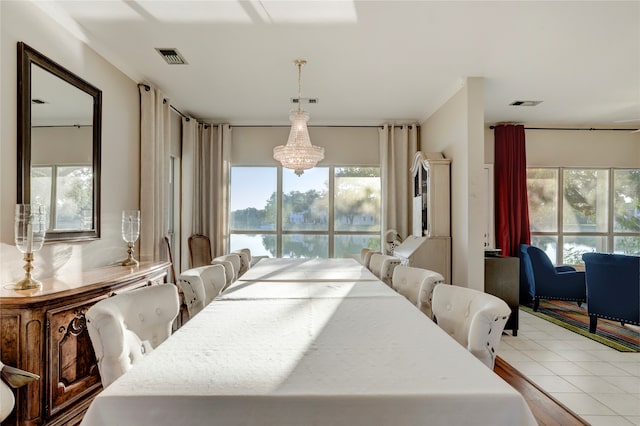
(575,148)
(22,21)
(61,145)
(457,130)
(342,145)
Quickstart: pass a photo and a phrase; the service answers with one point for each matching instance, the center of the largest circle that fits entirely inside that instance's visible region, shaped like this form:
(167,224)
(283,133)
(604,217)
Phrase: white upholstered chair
(212,277)
(473,318)
(416,284)
(231,263)
(193,292)
(126,327)
(11,377)
(366,259)
(245,260)
(382,266)
(363,254)
(252,258)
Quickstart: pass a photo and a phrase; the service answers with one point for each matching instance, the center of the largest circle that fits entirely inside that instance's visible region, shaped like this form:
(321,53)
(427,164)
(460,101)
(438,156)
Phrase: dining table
(309,350)
(293,269)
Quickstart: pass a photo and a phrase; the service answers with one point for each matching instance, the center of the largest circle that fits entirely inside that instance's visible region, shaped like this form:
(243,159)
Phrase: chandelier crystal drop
(298,154)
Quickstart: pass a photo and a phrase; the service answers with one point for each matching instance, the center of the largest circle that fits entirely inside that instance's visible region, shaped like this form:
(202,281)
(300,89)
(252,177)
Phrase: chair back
(199,250)
(126,327)
(541,266)
(613,286)
(245,260)
(366,260)
(212,277)
(173,277)
(14,378)
(7,401)
(382,266)
(363,254)
(473,318)
(416,284)
(231,263)
(527,283)
(193,292)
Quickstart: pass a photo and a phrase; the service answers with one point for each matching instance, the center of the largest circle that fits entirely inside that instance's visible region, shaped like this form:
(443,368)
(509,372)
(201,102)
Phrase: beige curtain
(206,154)
(155,138)
(187,165)
(398,145)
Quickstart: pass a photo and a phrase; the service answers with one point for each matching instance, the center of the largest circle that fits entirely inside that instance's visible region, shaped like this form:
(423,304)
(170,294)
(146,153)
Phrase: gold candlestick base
(130,261)
(28,282)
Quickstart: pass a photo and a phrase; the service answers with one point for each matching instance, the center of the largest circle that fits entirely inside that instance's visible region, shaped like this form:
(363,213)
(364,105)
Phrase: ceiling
(371,62)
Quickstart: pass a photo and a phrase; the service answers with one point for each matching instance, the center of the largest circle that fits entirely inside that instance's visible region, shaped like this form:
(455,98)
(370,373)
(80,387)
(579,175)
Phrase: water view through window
(326,212)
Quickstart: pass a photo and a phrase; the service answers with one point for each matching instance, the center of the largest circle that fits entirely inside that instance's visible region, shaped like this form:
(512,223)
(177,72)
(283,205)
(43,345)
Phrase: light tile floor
(598,383)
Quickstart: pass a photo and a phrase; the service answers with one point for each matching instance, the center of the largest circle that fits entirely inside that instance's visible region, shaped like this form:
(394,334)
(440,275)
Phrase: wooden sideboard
(44,331)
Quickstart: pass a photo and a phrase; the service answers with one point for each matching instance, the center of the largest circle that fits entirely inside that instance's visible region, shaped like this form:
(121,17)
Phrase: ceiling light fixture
(298,154)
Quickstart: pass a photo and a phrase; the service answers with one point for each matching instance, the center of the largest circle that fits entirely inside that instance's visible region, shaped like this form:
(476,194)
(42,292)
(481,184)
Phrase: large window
(326,212)
(574,211)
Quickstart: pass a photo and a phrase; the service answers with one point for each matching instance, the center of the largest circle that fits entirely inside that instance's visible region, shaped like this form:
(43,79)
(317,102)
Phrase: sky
(258,183)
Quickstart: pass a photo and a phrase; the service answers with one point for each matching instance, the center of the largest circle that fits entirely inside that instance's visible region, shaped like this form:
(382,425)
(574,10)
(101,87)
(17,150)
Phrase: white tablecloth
(369,359)
(305,289)
(276,269)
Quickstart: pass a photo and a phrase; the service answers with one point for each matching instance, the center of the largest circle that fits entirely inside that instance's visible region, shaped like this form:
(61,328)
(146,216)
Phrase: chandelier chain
(300,63)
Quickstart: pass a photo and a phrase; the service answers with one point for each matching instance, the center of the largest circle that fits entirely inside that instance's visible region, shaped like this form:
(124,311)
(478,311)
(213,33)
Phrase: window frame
(560,234)
(331,232)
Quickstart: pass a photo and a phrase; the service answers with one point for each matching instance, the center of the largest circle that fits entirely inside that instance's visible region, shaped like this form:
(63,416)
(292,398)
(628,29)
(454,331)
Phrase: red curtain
(510,170)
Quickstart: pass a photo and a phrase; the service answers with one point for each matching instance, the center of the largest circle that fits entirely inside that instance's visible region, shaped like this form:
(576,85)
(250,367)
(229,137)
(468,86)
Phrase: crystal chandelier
(298,154)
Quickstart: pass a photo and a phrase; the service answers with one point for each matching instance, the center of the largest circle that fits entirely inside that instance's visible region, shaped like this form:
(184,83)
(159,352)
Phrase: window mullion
(54,194)
(279,202)
(331,223)
(610,214)
(560,191)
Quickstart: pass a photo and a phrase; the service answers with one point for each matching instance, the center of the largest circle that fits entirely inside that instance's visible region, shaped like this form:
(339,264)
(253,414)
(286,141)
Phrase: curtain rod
(164,101)
(64,125)
(315,125)
(179,112)
(567,128)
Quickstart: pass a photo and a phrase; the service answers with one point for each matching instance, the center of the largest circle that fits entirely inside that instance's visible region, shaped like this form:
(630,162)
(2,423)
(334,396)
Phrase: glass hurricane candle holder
(130,234)
(29,237)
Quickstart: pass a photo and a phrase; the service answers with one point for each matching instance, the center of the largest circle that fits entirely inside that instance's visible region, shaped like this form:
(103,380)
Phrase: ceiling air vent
(525,103)
(304,100)
(171,55)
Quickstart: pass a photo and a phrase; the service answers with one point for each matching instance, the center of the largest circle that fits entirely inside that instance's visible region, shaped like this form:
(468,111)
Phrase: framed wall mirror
(59,144)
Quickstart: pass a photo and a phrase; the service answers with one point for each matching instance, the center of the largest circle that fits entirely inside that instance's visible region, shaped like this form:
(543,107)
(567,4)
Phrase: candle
(131,229)
(29,237)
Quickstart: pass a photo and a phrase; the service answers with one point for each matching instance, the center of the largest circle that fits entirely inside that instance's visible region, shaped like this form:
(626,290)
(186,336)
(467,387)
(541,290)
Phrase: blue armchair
(546,281)
(613,288)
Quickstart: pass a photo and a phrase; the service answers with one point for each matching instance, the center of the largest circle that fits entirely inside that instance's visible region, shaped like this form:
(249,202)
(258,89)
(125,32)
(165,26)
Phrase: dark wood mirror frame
(26,57)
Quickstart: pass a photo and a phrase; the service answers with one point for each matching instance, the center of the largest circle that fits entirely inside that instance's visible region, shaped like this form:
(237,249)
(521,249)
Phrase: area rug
(576,319)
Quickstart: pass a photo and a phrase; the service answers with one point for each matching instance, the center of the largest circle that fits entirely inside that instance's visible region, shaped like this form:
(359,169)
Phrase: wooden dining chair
(173,277)
(199,250)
